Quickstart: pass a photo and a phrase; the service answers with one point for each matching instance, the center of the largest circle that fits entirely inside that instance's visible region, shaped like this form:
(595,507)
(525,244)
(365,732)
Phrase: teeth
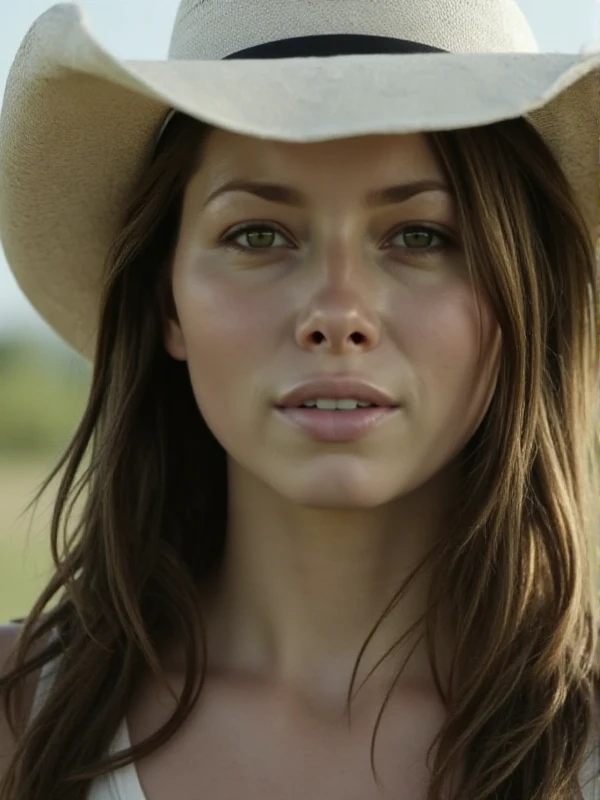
(333,405)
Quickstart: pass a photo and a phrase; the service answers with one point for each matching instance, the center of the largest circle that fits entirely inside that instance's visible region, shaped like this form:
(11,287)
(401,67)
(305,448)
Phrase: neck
(300,589)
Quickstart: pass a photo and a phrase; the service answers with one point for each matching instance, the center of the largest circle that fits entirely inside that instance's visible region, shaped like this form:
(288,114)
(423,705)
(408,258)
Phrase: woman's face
(335,280)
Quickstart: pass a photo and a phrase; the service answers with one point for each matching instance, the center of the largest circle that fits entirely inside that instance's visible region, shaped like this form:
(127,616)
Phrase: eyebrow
(287,195)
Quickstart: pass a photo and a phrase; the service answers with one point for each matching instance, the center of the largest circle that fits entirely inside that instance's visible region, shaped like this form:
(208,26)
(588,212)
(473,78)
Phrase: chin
(339,493)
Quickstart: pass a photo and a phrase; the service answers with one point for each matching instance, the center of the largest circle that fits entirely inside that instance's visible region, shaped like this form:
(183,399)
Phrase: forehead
(371,159)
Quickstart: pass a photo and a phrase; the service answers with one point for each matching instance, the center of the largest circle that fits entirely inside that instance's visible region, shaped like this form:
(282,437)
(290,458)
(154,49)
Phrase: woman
(270,585)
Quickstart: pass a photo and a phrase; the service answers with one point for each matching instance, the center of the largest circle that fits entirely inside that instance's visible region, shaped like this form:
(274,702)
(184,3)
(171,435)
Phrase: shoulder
(9,634)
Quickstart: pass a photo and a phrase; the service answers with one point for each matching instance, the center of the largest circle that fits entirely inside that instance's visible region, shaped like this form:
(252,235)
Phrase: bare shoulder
(8,640)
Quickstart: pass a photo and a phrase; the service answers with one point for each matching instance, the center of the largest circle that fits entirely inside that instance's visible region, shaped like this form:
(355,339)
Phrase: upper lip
(336,388)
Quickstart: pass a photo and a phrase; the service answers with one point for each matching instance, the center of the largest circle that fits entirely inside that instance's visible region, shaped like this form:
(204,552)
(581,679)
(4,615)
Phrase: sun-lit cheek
(225,316)
(442,333)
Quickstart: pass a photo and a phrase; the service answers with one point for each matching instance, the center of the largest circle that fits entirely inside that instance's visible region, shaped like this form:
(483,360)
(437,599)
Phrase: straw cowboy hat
(78,126)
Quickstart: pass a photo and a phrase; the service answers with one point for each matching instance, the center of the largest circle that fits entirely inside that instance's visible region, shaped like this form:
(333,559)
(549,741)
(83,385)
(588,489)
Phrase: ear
(172,334)
(174,341)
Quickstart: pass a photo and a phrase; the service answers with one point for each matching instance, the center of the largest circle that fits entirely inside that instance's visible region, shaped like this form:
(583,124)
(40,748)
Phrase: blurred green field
(25,559)
(43,390)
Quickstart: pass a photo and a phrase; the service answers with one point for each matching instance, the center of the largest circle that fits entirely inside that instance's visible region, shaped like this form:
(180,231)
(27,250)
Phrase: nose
(340,316)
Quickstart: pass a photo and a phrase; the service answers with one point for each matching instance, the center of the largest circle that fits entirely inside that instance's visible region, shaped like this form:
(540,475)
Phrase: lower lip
(337,426)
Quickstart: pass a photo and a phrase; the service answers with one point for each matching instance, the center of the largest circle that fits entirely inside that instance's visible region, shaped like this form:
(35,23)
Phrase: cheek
(454,354)
(229,339)
(221,321)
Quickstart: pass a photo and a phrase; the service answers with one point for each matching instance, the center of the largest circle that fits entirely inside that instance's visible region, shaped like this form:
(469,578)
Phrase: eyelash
(228,240)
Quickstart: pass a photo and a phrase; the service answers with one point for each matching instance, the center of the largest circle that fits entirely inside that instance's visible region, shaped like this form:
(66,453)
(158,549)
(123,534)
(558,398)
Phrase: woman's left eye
(421,238)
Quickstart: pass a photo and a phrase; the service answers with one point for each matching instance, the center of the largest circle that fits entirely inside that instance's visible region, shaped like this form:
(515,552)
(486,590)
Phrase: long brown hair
(517,566)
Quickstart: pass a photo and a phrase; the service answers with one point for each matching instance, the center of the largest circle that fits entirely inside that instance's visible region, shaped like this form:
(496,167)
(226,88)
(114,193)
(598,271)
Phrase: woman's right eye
(258,237)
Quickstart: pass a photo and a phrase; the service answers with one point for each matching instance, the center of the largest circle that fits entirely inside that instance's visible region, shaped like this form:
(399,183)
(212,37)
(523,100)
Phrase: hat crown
(214,29)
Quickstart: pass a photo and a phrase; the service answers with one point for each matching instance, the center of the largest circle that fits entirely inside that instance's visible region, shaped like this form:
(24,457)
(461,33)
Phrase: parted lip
(336,388)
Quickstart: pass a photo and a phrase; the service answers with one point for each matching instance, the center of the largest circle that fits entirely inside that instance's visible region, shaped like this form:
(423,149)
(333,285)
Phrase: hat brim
(78,125)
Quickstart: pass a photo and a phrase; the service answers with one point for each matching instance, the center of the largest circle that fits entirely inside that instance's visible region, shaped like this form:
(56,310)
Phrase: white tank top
(124,784)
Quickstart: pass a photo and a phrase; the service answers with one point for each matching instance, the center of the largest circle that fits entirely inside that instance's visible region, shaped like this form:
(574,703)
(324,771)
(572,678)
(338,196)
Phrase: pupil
(420,238)
(259,234)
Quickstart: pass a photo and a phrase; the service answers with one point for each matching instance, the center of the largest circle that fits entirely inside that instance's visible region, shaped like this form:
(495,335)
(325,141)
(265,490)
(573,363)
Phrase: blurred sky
(140,29)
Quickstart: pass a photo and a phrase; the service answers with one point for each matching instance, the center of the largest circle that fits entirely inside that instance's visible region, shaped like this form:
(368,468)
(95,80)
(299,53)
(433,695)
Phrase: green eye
(258,237)
(421,238)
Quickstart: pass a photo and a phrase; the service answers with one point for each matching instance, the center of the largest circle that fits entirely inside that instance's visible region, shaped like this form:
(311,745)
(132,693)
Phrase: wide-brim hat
(78,126)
